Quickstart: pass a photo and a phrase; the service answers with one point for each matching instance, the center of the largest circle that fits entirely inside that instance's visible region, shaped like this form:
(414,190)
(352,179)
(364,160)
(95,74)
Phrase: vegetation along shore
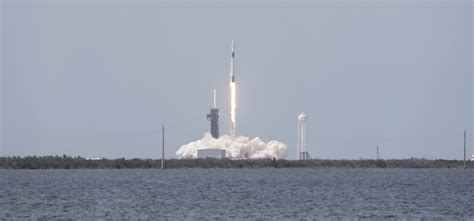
(67,162)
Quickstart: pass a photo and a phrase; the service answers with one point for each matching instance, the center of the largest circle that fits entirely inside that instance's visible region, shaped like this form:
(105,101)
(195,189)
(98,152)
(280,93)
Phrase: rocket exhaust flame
(232,109)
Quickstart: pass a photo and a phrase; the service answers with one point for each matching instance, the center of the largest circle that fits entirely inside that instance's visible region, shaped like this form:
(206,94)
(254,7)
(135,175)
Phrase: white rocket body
(232,87)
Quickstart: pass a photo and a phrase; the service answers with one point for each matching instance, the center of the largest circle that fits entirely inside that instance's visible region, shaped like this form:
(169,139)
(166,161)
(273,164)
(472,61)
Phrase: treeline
(67,162)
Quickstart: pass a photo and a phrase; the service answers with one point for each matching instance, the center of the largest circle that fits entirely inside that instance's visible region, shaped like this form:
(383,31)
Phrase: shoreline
(67,162)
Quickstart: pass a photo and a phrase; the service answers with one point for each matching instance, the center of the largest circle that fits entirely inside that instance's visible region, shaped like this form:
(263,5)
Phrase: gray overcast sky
(99,78)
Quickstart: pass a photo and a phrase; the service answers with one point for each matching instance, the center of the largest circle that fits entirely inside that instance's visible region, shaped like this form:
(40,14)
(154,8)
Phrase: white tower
(302,154)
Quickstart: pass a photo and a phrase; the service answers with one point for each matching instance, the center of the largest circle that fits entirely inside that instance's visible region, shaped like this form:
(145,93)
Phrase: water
(340,194)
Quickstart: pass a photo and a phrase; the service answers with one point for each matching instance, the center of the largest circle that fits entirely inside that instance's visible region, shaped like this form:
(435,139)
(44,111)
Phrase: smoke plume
(238,147)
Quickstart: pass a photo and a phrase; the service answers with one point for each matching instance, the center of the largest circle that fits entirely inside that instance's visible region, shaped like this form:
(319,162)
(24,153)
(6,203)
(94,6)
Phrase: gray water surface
(238,193)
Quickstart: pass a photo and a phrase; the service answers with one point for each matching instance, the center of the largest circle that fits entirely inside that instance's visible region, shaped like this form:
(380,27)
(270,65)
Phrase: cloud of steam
(237,147)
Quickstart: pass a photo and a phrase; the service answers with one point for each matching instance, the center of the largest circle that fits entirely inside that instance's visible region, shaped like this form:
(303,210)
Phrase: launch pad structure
(213,116)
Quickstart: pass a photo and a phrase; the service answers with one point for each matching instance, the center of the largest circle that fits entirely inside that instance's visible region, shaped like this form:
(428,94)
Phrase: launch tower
(213,116)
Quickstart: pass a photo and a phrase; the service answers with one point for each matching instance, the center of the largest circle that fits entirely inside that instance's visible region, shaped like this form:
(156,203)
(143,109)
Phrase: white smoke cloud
(237,147)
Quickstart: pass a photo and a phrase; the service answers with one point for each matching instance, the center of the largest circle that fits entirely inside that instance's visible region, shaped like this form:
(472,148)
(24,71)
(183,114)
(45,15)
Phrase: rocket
(232,88)
(232,75)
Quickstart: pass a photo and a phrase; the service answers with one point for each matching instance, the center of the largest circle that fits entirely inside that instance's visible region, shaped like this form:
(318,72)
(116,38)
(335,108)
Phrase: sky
(100,78)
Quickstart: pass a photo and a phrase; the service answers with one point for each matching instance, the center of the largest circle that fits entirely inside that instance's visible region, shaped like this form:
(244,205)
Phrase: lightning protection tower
(302,154)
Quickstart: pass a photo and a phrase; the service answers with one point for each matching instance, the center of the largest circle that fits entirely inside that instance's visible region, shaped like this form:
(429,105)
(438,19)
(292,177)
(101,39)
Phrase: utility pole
(163,148)
(464,149)
(378,152)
